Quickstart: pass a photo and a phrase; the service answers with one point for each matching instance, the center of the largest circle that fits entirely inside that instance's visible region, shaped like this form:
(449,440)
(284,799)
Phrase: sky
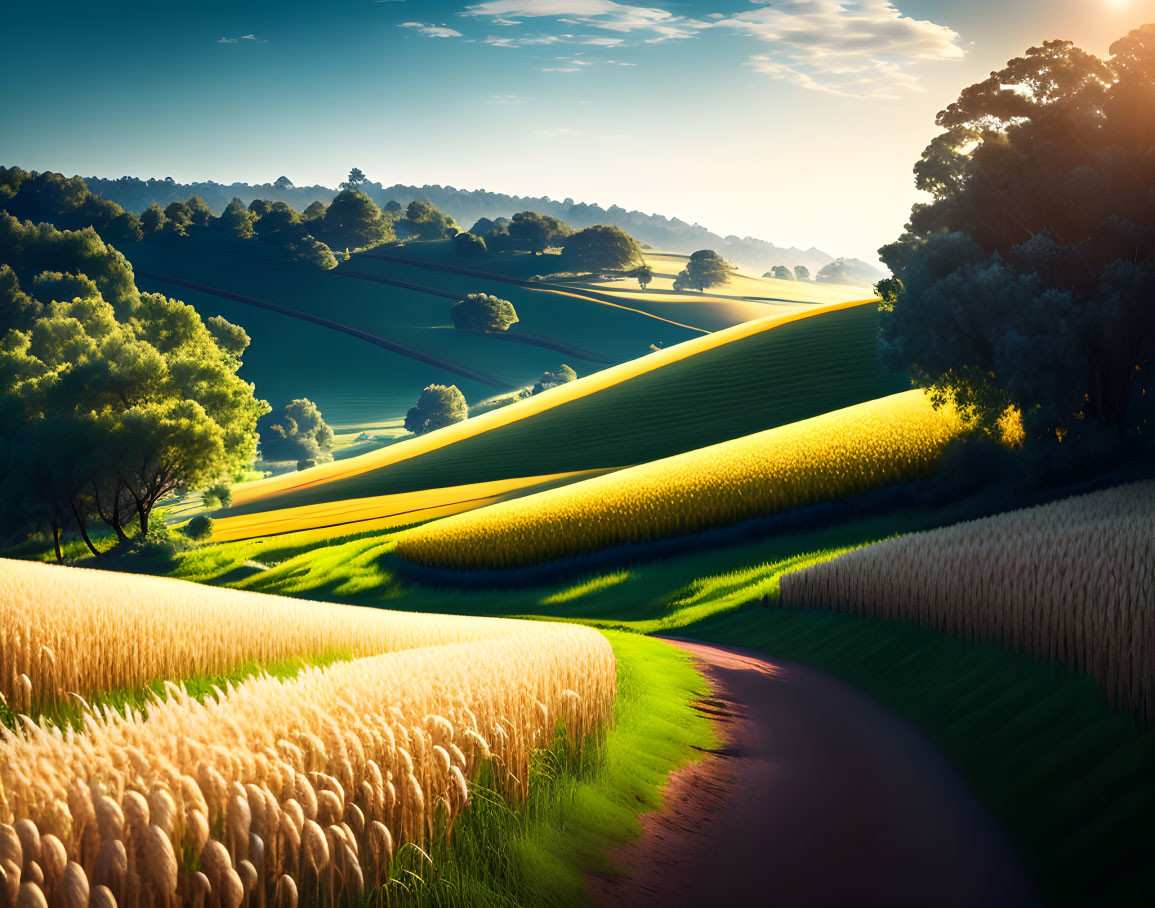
(795,121)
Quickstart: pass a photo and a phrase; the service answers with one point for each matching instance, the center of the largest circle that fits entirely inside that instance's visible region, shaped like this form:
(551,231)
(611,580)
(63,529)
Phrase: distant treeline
(468,206)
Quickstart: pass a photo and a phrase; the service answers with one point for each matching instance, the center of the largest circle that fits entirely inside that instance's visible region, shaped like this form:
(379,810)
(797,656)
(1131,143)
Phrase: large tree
(426,222)
(1029,279)
(116,398)
(65,202)
(532,231)
(297,431)
(601,248)
(353,220)
(705,268)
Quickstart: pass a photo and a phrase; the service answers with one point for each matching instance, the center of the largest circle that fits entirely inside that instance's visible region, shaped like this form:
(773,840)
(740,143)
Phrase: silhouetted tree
(535,232)
(356,179)
(467,244)
(1028,280)
(426,222)
(645,276)
(704,269)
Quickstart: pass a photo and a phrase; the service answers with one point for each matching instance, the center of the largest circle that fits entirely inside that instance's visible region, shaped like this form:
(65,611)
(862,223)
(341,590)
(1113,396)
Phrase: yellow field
(386,511)
(280,792)
(833,456)
(1072,581)
(590,384)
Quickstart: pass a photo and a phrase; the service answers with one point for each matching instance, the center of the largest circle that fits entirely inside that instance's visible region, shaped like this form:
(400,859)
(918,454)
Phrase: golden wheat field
(72,630)
(829,457)
(287,792)
(1072,581)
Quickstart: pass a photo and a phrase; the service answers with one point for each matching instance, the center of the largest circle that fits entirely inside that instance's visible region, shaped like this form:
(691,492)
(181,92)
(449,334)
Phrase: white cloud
(854,48)
(608,15)
(226,40)
(431,31)
(252,38)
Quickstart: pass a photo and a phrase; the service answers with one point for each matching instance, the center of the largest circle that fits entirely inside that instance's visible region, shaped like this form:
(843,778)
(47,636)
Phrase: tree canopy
(704,269)
(426,222)
(601,248)
(295,432)
(482,312)
(560,376)
(65,202)
(438,406)
(531,231)
(116,397)
(354,220)
(780,273)
(801,273)
(1028,281)
(355,180)
(468,244)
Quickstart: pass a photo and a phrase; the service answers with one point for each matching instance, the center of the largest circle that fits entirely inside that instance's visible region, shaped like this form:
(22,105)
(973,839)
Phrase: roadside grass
(581,802)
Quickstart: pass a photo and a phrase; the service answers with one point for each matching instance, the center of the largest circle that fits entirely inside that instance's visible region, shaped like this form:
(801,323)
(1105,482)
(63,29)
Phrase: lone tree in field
(468,245)
(601,248)
(780,273)
(801,273)
(296,431)
(645,275)
(704,269)
(426,222)
(534,232)
(437,407)
(116,397)
(563,375)
(482,312)
(356,179)
(1028,280)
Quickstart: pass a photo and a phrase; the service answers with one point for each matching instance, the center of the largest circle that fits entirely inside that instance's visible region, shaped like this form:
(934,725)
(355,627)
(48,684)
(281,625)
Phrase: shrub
(199,528)
(482,312)
(437,407)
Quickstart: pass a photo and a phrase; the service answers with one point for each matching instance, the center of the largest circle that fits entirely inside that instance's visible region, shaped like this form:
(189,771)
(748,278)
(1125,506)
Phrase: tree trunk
(56,542)
(143,512)
(83,528)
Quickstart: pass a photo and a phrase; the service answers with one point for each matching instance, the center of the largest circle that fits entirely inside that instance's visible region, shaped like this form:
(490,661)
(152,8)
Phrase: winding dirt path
(817,797)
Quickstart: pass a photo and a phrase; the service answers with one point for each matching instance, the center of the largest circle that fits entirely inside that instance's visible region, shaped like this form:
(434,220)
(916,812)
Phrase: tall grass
(1072,581)
(70,631)
(301,790)
(829,457)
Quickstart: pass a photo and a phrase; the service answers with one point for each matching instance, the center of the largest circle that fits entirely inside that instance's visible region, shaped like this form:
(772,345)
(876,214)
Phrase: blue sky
(796,120)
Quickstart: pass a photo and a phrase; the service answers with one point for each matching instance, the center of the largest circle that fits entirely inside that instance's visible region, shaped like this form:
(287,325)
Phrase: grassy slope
(761,379)
(1073,782)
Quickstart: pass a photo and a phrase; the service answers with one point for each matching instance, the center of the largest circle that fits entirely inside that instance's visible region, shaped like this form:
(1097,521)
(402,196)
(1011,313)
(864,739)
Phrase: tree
(468,245)
(312,252)
(601,248)
(645,276)
(437,407)
(356,179)
(199,213)
(65,202)
(218,496)
(259,207)
(315,212)
(801,272)
(534,232)
(392,207)
(482,312)
(834,273)
(116,398)
(354,220)
(296,431)
(1027,281)
(427,222)
(280,224)
(236,219)
(199,528)
(177,217)
(704,269)
(563,375)
(780,273)
(152,219)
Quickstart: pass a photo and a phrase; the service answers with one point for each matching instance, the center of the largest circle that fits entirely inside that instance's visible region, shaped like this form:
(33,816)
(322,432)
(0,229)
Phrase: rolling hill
(734,382)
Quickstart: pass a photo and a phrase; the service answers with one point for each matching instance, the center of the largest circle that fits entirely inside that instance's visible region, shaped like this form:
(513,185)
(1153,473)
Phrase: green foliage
(65,202)
(117,397)
(296,431)
(801,273)
(315,212)
(560,376)
(532,231)
(780,273)
(218,496)
(704,269)
(426,222)
(644,274)
(601,248)
(280,223)
(356,179)
(437,407)
(1027,280)
(482,312)
(468,245)
(199,528)
(314,253)
(354,220)
(152,219)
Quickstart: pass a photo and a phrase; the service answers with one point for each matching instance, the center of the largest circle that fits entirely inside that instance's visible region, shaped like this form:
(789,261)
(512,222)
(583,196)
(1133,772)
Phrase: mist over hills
(467,205)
